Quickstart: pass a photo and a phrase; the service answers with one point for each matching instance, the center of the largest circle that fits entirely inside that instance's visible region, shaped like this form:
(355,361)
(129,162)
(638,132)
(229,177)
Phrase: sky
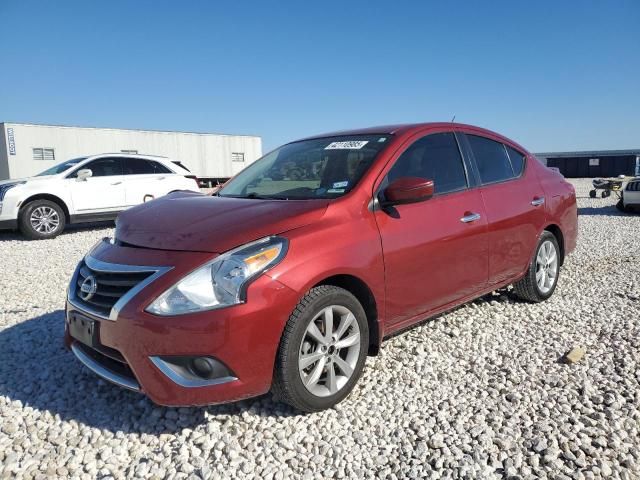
(550,75)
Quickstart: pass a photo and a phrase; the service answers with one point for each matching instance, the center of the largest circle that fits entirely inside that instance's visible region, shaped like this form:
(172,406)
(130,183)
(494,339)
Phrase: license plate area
(84,329)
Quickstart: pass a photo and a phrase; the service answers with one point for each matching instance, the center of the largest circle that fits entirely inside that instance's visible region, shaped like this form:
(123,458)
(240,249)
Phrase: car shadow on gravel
(608,210)
(38,371)
(13,235)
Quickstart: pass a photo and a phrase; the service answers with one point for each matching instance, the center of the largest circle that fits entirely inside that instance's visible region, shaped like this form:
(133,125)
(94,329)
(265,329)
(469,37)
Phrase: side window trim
(473,176)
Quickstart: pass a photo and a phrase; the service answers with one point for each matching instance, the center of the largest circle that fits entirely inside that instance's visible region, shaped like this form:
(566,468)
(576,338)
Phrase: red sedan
(299,267)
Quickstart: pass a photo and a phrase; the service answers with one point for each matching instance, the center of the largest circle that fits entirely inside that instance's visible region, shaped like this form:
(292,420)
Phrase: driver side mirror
(83,174)
(407,190)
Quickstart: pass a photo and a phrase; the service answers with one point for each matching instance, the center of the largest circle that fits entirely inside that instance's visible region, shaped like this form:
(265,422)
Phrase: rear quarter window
(517,160)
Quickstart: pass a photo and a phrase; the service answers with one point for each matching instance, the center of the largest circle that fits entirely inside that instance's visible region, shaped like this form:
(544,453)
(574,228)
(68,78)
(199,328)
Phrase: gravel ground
(480,392)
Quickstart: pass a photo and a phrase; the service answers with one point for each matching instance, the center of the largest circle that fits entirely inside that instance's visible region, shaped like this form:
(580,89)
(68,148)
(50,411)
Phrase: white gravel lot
(479,392)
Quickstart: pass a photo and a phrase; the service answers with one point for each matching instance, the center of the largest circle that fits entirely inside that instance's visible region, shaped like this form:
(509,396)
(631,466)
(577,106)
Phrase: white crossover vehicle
(87,189)
(630,196)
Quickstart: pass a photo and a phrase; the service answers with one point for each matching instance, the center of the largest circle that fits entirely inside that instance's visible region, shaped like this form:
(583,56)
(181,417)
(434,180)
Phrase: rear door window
(517,160)
(433,157)
(141,166)
(491,158)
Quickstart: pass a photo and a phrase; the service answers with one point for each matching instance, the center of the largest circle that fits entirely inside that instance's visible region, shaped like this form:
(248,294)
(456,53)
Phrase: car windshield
(61,167)
(317,168)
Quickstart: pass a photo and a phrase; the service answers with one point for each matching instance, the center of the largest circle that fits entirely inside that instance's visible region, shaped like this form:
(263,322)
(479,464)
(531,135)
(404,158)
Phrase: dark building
(604,163)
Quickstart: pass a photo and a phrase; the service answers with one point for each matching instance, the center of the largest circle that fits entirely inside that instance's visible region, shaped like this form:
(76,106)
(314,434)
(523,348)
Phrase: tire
(528,287)
(605,194)
(592,193)
(51,212)
(620,206)
(297,343)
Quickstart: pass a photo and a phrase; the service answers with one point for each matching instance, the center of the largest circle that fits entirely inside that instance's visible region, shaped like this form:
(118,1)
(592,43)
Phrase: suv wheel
(541,278)
(322,350)
(42,219)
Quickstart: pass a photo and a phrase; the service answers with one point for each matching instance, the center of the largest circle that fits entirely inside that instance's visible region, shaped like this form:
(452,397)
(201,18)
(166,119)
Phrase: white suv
(630,196)
(87,189)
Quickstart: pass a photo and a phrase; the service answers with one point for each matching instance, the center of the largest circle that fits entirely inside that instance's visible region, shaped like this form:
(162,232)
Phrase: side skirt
(415,321)
(93,217)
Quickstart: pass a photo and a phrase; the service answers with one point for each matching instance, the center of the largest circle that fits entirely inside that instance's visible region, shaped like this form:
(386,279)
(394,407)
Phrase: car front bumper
(244,337)
(10,224)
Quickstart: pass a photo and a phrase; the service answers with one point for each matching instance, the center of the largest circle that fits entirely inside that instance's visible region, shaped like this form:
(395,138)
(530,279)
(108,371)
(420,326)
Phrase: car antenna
(454,117)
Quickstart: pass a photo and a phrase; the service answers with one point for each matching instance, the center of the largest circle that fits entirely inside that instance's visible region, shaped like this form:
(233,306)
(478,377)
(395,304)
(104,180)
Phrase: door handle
(470,217)
(160,178)
(537,201)
(116,183)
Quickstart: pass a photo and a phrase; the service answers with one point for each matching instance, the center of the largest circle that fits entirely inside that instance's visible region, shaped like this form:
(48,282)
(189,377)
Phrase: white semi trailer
(28,149)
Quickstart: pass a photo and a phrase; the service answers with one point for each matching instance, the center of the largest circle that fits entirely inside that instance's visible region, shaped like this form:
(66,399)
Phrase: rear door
(435,251)
(514,202)
(145,180)
(103,191)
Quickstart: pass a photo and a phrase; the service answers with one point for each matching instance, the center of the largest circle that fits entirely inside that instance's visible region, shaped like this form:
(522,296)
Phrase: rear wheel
(42,219)
(541,278)
(592,193)
(605,194)
(322,350)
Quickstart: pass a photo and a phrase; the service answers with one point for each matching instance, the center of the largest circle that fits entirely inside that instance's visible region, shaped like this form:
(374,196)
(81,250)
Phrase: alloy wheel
(546,266)
(329,351)
(44,219)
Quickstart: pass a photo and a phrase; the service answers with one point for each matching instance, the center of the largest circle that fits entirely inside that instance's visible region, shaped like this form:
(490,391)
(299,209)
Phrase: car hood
(30,180)
(189,221)
(14,180)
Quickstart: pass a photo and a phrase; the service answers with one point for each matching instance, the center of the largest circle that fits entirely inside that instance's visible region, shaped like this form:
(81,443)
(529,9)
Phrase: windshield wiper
(254,195)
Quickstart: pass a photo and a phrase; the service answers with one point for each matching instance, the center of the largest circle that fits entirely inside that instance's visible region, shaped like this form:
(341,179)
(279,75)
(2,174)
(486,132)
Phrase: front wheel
(41,219)
(541,278)
(322,350)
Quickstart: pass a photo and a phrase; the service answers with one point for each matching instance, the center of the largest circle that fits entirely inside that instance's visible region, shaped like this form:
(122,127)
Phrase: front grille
(111,287)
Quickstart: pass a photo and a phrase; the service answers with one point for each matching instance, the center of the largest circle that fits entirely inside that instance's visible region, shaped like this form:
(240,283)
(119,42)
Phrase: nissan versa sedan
(298,268)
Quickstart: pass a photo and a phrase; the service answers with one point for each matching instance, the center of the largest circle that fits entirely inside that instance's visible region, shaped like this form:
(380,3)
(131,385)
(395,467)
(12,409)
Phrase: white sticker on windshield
(340,184)
(350,145)
(335,190)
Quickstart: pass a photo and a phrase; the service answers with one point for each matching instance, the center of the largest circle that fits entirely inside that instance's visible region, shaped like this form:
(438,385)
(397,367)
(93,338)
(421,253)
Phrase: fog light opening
(202,367)
(192,371)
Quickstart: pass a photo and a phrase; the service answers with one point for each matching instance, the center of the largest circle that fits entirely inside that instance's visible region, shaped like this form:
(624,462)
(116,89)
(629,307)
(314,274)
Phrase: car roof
(408,128)
(130,155)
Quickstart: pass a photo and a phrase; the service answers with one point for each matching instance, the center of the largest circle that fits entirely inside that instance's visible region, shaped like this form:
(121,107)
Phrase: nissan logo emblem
(88,288)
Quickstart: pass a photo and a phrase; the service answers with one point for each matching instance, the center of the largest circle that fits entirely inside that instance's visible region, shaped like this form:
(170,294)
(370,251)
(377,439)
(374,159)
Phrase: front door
(435,251)
(103,191)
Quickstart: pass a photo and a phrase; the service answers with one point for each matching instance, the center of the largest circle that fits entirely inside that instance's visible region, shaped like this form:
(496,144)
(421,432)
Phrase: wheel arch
(556,231)
(359,289)
(46,196)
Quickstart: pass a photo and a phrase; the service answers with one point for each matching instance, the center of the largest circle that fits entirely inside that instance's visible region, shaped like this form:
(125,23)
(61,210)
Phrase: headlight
(7,186)
(221,282)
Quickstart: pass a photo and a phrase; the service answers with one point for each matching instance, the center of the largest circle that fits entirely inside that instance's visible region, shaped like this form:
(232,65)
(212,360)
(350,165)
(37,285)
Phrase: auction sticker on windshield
(350,145)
